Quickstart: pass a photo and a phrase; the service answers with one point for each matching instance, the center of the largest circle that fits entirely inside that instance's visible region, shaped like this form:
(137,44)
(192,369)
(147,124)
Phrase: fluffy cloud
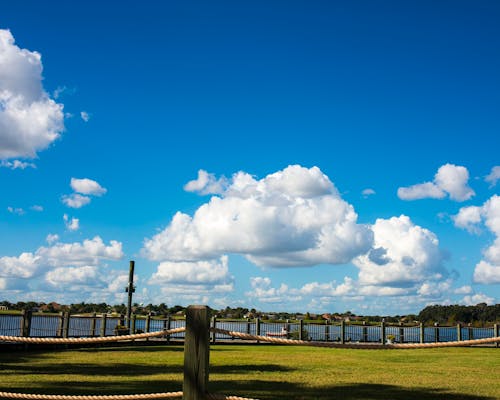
(88,253)
(493,176)
(206,183)
(368,192)
(29,119)
(87,186)
(16,164)
(294,217)
(477,298)
(487,271)
(83,189)
(75,200)
(85,116)
(450,179)
(201,272)
(16,210)
(72,224)
(403,254)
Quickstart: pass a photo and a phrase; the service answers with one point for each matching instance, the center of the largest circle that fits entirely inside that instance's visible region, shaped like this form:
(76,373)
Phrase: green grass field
(263,372)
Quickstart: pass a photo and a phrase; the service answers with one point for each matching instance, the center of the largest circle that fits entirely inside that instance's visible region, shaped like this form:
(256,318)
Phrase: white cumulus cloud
(75,200)
(450,179)
(16,164)
(87,186)
(72,224)
(403,253)
(487,271)
(30,120)
(294,217)
(493,176)
(206,183)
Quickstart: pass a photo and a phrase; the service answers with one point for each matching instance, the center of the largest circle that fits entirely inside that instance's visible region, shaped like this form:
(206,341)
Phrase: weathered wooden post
(436,332)
(130,289)
(459,332)
(471,332)
(327,329)
(147,325)
(401,333)
(26,323)
(166,326)
(365,332)
(196,353)
(248,325)
(214,324)
(496,333)
(103,324)
(60,325)
(92,324)
(382,332)
(301,329)
(342,331)
(257,327)
(66,317)
(422,333)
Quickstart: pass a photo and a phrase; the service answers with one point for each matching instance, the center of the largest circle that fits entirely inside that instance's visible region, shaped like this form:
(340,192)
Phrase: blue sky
(300,156)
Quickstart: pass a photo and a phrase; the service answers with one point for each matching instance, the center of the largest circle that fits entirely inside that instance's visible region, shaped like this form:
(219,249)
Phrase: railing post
(342,332)
(103,324)
(214,325)
(133,318)
(26,323)
(496,333)
(382,333)
(248,325)
(327,329)
(422,333)
(436,332)
(66,324)
(365,332)
(196,353)
(301,329)
(459,332)
(147,326)
(166,326)
(401,333)
(60,325)
(257,327)
(471,332)
(92,324)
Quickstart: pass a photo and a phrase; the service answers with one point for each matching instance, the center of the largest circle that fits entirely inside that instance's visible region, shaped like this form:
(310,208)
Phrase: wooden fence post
(248,325)
(26,323)
(301,329)
(436,332)
(66,317)
(196,353)
(257,327)
(365,332)
(459,332)
(471,332)
(342,331)
(166,326)
(422,333)
(401,333)
(60,325)
(214,323)
(327,329)
(496,333)
(103,324)
(92,324)
(133,319)
(382,333)
(147,325)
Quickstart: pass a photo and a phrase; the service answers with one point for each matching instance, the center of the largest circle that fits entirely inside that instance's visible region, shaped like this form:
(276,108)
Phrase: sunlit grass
(265,372)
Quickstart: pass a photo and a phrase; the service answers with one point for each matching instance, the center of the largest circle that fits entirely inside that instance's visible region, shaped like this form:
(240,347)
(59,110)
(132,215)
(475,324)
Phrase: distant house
(4,308)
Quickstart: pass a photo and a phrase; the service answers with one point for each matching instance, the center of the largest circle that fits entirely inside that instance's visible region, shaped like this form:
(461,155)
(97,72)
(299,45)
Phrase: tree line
(478,315)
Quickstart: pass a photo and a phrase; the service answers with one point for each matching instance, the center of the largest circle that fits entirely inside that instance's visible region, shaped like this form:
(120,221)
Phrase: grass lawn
(264,372)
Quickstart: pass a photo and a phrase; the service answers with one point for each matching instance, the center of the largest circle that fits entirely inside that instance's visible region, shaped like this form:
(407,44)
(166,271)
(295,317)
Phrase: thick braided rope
(101,339)
(377,346)
(169,395)
(151,396)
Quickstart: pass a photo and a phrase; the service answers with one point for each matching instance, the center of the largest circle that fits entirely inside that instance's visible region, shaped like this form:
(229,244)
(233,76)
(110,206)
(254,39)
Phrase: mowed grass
(263,372)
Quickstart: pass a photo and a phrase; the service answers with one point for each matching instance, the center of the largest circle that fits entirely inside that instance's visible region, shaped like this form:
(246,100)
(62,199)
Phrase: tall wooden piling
(196,353)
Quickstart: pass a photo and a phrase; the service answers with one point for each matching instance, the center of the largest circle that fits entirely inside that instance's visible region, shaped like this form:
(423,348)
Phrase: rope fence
(196,356)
